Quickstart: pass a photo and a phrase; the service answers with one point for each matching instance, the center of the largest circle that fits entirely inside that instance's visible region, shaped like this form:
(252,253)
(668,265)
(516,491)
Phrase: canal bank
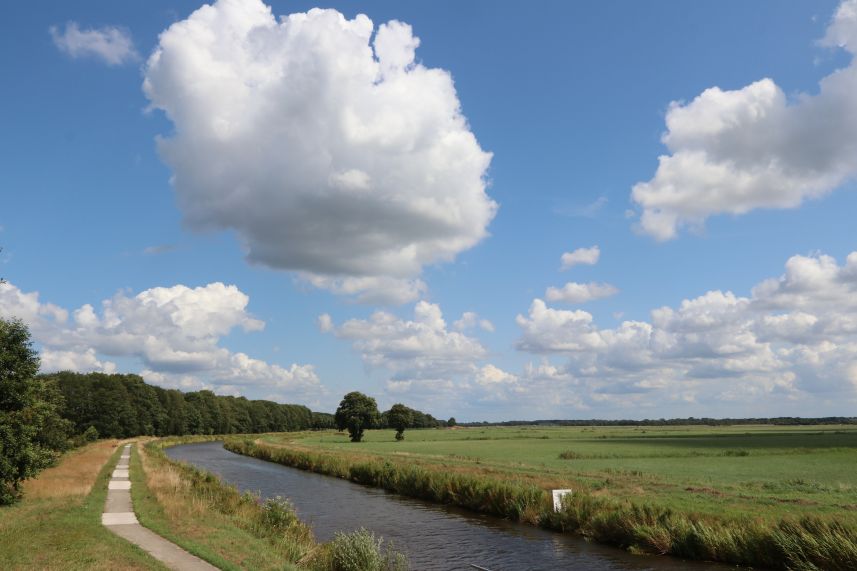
(434,537)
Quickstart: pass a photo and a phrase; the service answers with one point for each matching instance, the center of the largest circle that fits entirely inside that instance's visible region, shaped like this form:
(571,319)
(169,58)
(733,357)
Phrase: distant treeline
(121,406)
(419,419)
(780,420)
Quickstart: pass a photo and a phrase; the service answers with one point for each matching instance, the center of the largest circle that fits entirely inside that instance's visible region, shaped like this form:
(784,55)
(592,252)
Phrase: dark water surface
(434,537)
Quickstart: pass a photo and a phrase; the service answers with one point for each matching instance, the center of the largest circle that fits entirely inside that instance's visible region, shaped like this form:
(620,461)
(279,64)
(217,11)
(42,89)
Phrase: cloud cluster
(322,142)
(429,364)
(419,348)
(109,44)
(735,151)
(174,332)
(795,334)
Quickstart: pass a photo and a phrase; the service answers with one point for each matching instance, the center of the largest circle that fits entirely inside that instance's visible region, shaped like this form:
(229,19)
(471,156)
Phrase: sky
(487,210)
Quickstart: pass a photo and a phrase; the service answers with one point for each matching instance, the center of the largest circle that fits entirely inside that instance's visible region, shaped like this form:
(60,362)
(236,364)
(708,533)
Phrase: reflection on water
(434,537)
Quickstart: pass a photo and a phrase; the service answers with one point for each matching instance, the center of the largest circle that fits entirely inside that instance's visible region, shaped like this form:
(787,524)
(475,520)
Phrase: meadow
(763,471)
(759,496)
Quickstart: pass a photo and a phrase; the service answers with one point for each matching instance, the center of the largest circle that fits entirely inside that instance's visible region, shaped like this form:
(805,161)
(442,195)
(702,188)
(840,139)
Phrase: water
(434,537)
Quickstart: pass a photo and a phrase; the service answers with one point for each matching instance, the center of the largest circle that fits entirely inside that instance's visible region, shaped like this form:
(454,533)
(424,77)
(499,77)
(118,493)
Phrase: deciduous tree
(356,413)
(31,431)
(400,418)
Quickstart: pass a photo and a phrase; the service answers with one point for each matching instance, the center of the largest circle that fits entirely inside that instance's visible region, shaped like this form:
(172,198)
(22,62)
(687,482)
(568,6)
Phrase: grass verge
(231,530)
(57,524)
(807,543)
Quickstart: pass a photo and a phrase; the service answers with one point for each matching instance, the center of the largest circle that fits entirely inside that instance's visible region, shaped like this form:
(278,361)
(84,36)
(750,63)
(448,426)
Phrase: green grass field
(758,471)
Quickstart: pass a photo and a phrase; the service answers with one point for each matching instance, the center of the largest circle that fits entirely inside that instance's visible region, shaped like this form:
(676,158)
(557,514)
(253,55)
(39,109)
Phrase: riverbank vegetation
(58,523)
(782,498)
(216,522)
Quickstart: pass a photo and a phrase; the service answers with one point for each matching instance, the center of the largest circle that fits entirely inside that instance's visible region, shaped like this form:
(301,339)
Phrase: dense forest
(121,406)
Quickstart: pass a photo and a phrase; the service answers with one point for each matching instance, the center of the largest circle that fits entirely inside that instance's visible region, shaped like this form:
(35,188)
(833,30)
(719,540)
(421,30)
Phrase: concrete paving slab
(120,473)
(118,501)
(119,485)
(168,553)
(121,518)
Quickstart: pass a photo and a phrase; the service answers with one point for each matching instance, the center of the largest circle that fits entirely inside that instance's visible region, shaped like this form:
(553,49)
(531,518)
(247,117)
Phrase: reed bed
(807,543)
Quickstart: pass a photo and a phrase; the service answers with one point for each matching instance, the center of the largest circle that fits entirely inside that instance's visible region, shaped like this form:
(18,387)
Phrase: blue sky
(321,210)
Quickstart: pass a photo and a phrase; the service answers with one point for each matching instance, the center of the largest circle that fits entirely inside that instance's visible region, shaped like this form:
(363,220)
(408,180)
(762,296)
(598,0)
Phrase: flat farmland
(757,471)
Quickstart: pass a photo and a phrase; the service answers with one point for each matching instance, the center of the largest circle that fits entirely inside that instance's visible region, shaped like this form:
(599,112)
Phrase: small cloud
(587,256)
(110,44)
(325,323)
(590,210)
(160,249)
(573,292)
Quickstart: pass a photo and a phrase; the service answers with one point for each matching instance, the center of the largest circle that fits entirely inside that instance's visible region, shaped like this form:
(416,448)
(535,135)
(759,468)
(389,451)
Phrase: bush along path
(119,518)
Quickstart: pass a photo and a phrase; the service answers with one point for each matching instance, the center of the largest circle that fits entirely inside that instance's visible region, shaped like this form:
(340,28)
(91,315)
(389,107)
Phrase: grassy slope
(58,523)
(210,519)
(770,472)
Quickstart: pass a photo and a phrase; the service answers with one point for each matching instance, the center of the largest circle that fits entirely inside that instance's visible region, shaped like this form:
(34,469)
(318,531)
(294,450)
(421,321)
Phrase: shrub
(278,513)
(90,434)
(362,551)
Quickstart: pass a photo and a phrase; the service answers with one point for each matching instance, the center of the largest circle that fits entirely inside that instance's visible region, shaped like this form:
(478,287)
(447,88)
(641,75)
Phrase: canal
(434,537)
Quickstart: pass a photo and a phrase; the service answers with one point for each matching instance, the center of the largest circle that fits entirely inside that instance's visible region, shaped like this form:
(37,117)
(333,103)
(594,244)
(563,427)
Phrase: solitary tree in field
(31,430)
(400,418)
(451,422)
(356,413)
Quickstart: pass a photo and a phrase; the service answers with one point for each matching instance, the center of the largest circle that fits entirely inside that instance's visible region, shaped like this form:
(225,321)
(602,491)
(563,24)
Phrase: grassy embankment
(778,497)
(197,511)
(57,524)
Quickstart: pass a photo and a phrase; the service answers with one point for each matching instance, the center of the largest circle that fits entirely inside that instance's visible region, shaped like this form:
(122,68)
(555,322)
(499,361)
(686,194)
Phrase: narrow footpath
(119,518)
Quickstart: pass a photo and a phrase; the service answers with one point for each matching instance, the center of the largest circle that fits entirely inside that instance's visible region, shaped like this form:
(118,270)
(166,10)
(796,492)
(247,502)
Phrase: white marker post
(557,498)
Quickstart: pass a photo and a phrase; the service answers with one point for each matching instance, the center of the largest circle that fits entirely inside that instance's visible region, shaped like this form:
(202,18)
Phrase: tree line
(121,406)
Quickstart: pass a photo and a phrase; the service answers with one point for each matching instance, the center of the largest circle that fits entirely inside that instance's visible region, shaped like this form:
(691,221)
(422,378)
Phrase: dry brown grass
(74,474)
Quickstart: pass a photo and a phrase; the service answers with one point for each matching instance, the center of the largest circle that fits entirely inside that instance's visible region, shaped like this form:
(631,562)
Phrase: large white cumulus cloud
(735,151)
(174,332)
(795,335)
(329,151)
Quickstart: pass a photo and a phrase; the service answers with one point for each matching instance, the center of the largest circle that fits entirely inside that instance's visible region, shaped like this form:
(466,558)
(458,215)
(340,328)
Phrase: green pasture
(736,470)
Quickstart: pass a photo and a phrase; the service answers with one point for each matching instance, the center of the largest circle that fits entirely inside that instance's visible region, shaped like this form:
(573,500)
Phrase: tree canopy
(32,433)
(399,417)
(356,413)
